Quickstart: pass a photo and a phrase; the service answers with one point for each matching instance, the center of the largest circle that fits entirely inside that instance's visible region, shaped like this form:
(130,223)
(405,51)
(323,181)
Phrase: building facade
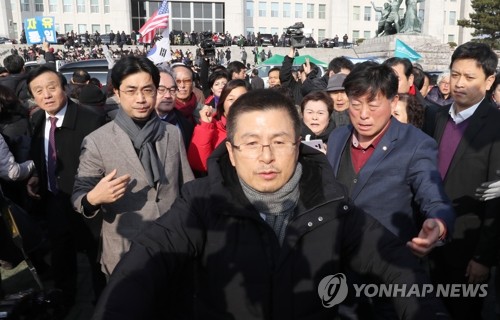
(322,18)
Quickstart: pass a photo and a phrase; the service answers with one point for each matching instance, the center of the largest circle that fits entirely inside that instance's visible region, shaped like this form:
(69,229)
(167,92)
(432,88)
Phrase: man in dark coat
(256,81)
(16,79)
(469,155)
(260,236)
(52,183)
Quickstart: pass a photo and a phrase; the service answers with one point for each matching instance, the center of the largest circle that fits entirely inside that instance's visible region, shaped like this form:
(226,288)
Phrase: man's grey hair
(167,70)
(442,76)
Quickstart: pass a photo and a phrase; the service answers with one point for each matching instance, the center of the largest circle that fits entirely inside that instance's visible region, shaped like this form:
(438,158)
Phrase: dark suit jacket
(475,161)
(257,83)
(402,170)
(78,122)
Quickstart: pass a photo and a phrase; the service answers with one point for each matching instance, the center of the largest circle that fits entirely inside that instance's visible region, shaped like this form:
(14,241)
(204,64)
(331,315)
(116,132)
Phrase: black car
(97,68)
(310,42)
(105,39)
(61,38)
(5,40)
(266,39)
(326,43)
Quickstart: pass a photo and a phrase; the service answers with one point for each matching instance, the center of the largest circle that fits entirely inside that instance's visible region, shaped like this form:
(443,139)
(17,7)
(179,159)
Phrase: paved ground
(20,278)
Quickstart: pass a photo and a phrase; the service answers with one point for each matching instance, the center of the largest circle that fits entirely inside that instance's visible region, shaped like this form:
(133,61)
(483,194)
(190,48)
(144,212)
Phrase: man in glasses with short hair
(165,106)
(256,237)
(131,169)
(186,100)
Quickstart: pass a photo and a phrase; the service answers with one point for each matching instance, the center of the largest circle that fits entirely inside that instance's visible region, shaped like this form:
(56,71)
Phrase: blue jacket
(401,172)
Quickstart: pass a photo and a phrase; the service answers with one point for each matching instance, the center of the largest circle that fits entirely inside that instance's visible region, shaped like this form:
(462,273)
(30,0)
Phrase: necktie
(52,156)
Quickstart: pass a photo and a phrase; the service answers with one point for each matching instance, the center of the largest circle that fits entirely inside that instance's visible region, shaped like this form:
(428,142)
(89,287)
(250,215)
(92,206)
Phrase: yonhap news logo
(333,289)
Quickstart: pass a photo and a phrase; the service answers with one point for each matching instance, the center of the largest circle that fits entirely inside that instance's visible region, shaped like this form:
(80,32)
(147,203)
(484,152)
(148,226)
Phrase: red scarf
(187,108)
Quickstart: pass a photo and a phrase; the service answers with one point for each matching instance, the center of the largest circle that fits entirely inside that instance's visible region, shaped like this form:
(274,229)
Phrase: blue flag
(403,50)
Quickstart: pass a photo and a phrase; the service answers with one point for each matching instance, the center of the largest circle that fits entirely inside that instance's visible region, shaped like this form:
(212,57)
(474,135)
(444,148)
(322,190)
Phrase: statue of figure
(384,14)
(393,20)
(412,23)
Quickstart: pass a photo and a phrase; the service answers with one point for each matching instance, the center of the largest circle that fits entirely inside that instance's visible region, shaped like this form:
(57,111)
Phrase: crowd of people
(196,192)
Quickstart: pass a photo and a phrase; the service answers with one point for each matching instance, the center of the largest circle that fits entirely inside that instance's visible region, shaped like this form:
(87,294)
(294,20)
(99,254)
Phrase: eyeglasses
(186,82)
(162,90)
(146,91)
(253,150)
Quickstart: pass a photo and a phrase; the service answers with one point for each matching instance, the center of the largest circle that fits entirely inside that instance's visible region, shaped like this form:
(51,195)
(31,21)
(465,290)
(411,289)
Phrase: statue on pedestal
(390,22)
(384,13)
(411,21)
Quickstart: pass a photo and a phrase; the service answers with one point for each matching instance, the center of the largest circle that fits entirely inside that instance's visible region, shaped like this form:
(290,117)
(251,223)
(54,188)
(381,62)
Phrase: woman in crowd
(408,110)
(216,82)
(316,109)
(211,130)
(440,94)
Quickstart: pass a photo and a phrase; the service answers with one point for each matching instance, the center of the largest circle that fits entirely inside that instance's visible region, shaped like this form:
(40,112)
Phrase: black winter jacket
(214,251)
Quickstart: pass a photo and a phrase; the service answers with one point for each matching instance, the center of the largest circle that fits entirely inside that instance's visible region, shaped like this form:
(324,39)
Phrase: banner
(40,29)
(403,50)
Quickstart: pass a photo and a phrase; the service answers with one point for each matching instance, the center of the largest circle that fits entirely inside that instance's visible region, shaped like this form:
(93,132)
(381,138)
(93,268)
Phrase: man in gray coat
(131,169)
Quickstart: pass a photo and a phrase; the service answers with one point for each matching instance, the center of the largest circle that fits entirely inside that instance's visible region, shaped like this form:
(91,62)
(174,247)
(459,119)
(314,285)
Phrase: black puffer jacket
(240,270)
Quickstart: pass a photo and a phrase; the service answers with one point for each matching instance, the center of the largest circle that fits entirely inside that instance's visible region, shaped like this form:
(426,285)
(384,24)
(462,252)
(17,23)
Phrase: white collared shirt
(60,118)
(463,115)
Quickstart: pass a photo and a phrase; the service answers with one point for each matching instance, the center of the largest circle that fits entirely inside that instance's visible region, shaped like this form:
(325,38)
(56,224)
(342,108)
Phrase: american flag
(159,19)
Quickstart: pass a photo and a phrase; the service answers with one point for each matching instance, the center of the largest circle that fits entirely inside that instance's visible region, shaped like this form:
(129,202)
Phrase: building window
(14,27)
(219,11)
(68,28)
(94,6)
(355,35)
(368,14)
(82,28)
(452,18)
(39,5)
(310,11)
(67,6)
(274,30)
(107,28)
(52,5)
(298,10)
(274,9)
(25,5)
(356,12)
(451,38)
(262,30)
(367,35)
(262,9)
(322,11)
(321,34)
(287,9)
(106,7)
(250,9)
(96,27)
(80,6)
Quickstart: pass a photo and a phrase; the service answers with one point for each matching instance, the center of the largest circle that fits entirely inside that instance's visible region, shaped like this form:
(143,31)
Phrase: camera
(297,38)
(207,44)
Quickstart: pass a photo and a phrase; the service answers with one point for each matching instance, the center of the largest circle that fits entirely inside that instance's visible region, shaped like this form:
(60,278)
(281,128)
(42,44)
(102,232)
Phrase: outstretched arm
(375,8)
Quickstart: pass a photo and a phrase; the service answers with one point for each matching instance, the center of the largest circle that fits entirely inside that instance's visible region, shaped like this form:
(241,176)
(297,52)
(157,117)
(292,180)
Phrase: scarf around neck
(276,206)
(143,140)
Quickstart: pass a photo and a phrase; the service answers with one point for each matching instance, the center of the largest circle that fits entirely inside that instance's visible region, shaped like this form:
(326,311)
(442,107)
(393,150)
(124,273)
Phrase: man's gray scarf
(143,140)
(277,206)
